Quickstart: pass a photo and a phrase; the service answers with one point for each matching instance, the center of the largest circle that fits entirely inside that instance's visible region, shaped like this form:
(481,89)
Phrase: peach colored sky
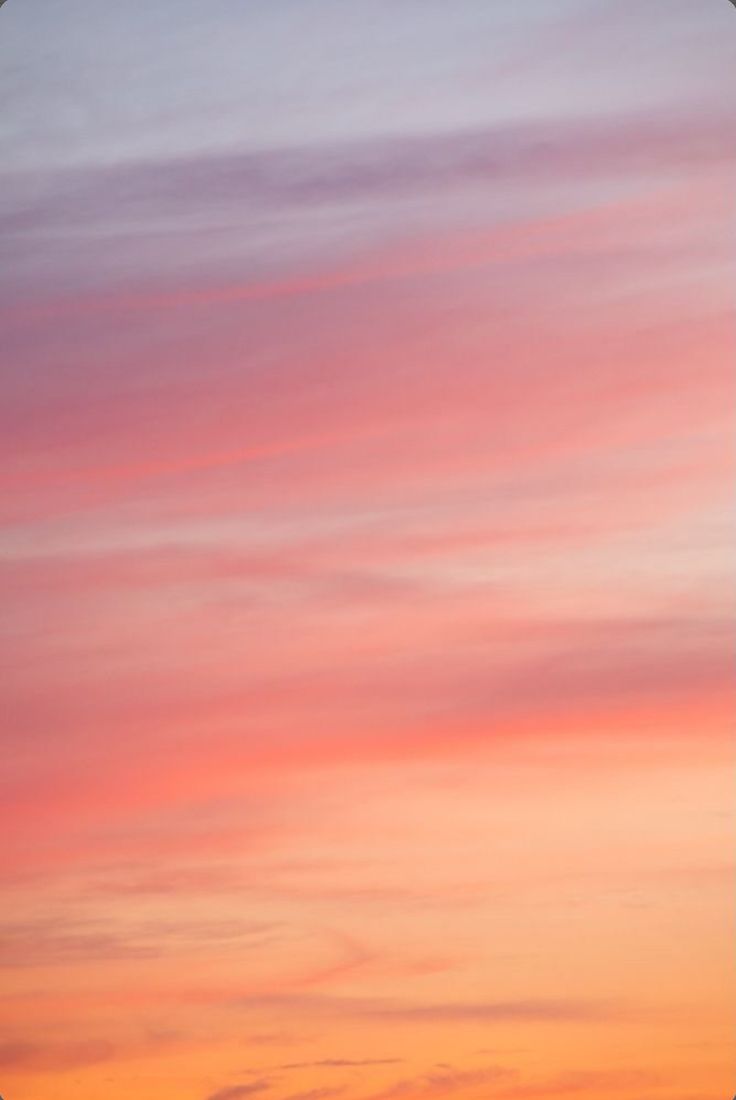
(365,531)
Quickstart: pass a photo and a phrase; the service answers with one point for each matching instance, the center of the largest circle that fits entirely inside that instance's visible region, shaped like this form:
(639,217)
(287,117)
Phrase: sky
(367,498)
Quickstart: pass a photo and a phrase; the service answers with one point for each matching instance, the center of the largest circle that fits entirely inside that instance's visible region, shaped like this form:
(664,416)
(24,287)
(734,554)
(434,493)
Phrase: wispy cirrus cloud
(378,168)
(64,941)
(212,199)
(539,1010)
(322,1093)
(53,1057)
(614,1082)
(342,1063)
(240,1092)
(446,1081)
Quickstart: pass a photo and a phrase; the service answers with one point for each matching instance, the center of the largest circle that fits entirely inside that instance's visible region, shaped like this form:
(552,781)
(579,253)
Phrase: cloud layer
(365,548)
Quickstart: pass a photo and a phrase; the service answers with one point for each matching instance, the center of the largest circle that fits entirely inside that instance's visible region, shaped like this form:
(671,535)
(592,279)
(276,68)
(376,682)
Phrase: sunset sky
(365,546)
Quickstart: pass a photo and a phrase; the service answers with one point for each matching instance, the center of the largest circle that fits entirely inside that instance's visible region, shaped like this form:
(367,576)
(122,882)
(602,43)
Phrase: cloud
(59,226)
(587,676)
(342,1063)
(317,1094)
(393,1011)
(240,1092)
(589,1082)
(378,168)
(54,1057)
(550,1011)
(445,1081)
(360,500)
(79,941)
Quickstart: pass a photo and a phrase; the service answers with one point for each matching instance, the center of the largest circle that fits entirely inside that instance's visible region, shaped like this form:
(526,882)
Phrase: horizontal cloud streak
(364,185)
(239,1092)
(377,169)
